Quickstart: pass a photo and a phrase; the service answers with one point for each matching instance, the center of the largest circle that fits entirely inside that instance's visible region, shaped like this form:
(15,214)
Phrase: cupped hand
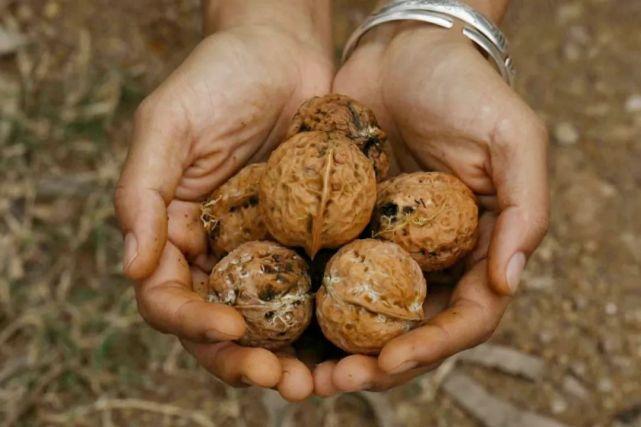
(228,104)
(446,109)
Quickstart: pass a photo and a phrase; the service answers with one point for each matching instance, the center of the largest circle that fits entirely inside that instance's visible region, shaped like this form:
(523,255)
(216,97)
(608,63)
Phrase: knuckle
(527,129)
(539,222)
(146,108)
(147,313)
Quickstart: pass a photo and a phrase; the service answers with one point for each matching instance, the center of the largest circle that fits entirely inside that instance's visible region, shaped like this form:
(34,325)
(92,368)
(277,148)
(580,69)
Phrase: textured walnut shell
(432,215)
(340,113)
(318,191)
(269,285)
(231,215)
(372,292)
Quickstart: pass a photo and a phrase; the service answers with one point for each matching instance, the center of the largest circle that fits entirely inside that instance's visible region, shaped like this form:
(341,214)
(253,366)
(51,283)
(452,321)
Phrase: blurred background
(73,350)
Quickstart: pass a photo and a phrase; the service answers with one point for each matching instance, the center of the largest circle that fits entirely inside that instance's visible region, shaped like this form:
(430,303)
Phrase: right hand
(227,105)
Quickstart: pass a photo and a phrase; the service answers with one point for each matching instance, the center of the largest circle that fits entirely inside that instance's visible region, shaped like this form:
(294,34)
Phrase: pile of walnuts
(322,188)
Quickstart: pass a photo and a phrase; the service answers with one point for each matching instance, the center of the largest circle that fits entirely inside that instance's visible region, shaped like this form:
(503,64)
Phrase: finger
(185,230)
(199,282)
(237,365)
(296,382)
(206,262)
(486,226)
(166,301)
(472,317)
(519,170)
(358,372)
(147,184)
(323,383)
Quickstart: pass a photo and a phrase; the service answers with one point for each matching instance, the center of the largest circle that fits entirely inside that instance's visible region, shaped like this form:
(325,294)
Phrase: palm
(443,114)
(446,109)
(230,102)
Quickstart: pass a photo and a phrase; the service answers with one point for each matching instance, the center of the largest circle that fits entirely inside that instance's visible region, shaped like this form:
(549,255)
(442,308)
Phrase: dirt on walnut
(372,292)
(340,113)
(318,191)
(432,215)
(231,215)
(270,286)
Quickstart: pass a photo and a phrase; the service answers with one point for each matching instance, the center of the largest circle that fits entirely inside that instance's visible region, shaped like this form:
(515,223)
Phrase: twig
(53,373)
(102,405)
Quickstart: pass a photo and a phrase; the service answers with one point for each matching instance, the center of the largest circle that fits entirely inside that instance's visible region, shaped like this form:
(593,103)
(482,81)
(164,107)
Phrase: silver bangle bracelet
(443,13)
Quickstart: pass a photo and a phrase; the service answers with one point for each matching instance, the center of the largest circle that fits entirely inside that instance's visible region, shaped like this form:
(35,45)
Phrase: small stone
(539,283)
(545,337)
(558,405)
(611,309)
(633,104)
(569,12)
(574,387)
(578,368)
(578,34)
(605,385)
(51,9)
(571,51)
(565,133)
(9,42)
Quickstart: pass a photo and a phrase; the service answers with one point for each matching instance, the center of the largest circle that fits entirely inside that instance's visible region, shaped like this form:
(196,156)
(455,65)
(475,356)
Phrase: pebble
(558,405)
(611,309)
(605,385)
(633,104)
(574,387)
(565,133)
(539,283)
(569,12)
(545,337)
(52,9)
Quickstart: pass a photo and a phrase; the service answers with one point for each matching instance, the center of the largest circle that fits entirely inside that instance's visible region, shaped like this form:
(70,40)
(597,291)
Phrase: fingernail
(246,380)
(131,250)
(215,335)
(514,270)
(405,366)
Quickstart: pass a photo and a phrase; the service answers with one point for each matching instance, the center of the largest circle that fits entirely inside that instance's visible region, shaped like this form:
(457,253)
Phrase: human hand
(228,104)
(446,109)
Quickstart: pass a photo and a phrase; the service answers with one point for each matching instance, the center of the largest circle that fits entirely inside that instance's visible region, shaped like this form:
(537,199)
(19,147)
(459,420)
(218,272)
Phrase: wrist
(307,19)
(494,10)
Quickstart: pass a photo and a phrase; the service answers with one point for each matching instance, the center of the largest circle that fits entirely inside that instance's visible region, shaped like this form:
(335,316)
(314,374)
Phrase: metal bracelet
(443,13)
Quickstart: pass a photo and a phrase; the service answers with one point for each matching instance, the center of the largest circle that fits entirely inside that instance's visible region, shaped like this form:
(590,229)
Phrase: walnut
(432,215)
(372,292)
(231,215)
(269,285)
(318,191)
(340,113)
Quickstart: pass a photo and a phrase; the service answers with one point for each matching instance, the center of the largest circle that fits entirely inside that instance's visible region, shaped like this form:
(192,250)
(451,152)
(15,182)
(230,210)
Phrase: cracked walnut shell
(231,215)
(318,191)
(340,113)
(372,292)
(270,286)
(432,215)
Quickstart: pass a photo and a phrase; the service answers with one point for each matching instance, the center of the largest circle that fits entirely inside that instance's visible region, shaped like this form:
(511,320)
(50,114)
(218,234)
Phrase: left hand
(446,109)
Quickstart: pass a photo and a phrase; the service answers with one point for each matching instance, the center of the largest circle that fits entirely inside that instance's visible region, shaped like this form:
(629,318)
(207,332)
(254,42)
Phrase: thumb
(519,169)
(148,182)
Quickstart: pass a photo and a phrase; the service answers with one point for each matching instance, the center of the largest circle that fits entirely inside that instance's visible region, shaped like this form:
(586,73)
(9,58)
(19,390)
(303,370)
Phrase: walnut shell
(343,114)
(231,215)
(432,215)
(269,285)
(318,191)
(372,292)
